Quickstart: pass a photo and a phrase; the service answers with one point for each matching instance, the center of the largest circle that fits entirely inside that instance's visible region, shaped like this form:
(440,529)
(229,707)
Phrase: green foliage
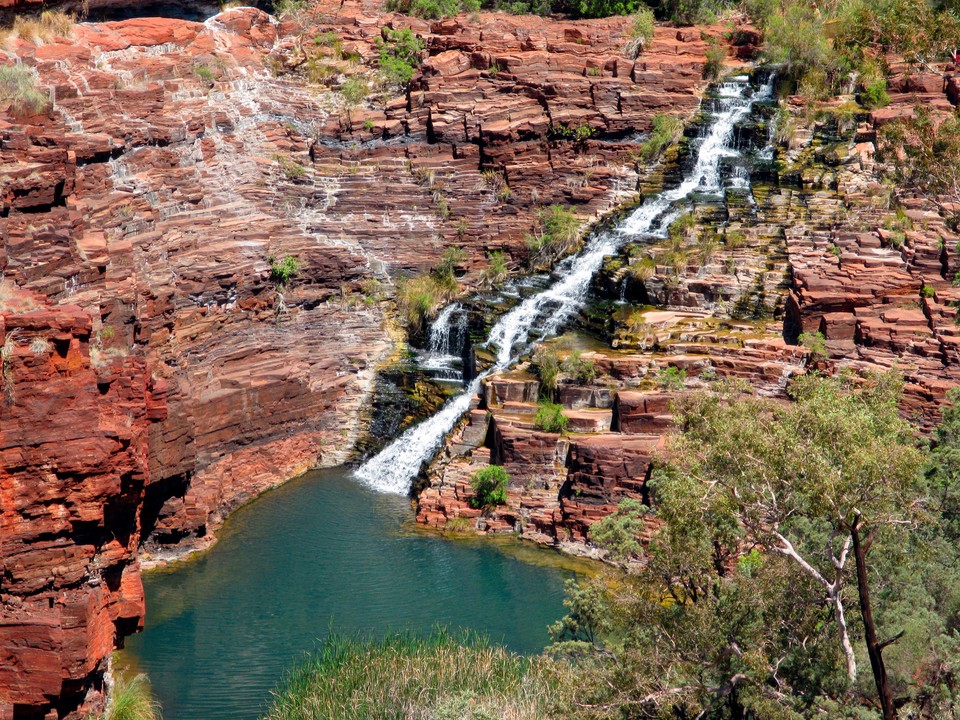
(490,486)
(580,369)
(667,129)
(716,63)
(291,169)
(497,270)
(445,272)
(556,235)
(203,72)
(579,134)
(420,297)
(132,700)
(924,154)
(546,363)
(283,271)
(617,533)
(19,90)
(641,32)
(550,417)
(693,12)
(433,9)
(606,8)
(927,291)
(523,7)
(588,618)
(671,378)
(440,677)
(354,90)
(287,7)
(399,55)
(816,343)
(875,94)
(794,36)
(705,628)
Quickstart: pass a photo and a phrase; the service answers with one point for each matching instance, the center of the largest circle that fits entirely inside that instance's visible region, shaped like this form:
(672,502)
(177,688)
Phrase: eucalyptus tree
(822,480)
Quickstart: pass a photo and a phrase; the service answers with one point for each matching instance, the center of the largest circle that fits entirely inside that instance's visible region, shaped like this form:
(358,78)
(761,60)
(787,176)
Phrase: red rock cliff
(73,469)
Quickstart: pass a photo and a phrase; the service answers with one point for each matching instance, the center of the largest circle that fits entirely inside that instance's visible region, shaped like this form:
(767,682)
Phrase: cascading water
(548,311)
(444,358)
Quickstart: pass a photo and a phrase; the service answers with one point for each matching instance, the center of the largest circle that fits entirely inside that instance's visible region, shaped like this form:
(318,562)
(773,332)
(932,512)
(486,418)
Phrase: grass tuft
(132,700)
(18,89)
(406,677)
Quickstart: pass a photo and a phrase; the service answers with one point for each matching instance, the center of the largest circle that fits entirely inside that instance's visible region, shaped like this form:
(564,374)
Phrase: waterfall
(440,331)
(549,310)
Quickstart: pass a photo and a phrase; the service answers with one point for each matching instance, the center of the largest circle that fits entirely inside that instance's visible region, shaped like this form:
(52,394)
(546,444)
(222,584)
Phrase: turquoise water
(322,552)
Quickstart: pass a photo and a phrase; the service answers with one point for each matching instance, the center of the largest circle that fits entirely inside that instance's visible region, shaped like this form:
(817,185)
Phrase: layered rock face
(825,251)
(140,215)
(878,283)
(73,471)
(172,166)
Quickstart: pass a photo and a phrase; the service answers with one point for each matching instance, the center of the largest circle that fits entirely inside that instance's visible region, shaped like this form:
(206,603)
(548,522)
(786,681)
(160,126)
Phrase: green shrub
(132,700)
(692,12)
(606,8)
(290,167)
(440,677)
(354,90)
(875,95)
(671,378)
(644,269)
(667,129)
(418,299)
(617,533)
(433,9)
(794,36)
(550,417)
(524,7)
(557,234)
(399,55)
(490,486)
(283,271)
(286,7)
(460,525)
(641,32)
(581,370)
(445,272)
(927,291)
(546,363)
(816,343)
(497,270)
(203,72)
(18,88)
(716,63)
(734,239)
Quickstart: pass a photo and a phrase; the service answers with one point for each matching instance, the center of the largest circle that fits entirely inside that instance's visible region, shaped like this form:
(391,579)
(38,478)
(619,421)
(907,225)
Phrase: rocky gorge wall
(156,374)
(828,248)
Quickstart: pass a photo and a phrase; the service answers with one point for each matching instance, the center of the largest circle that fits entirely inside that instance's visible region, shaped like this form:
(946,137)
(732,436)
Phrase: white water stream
(394,467)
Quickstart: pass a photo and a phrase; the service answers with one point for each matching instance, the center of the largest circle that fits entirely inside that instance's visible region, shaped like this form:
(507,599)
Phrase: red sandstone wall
(73,468)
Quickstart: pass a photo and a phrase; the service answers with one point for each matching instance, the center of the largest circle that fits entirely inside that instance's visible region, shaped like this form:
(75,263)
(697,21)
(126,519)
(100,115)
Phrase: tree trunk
(874,649)
(851,658)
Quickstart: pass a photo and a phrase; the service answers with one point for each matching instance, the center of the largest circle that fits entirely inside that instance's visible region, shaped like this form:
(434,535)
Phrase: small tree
(489,486)
(617,533)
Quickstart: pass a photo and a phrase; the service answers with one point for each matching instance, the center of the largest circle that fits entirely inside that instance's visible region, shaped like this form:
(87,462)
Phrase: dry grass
(19,90)
(49,25)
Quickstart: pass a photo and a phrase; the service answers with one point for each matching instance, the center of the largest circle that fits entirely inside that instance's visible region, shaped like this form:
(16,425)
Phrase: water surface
(321,552)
